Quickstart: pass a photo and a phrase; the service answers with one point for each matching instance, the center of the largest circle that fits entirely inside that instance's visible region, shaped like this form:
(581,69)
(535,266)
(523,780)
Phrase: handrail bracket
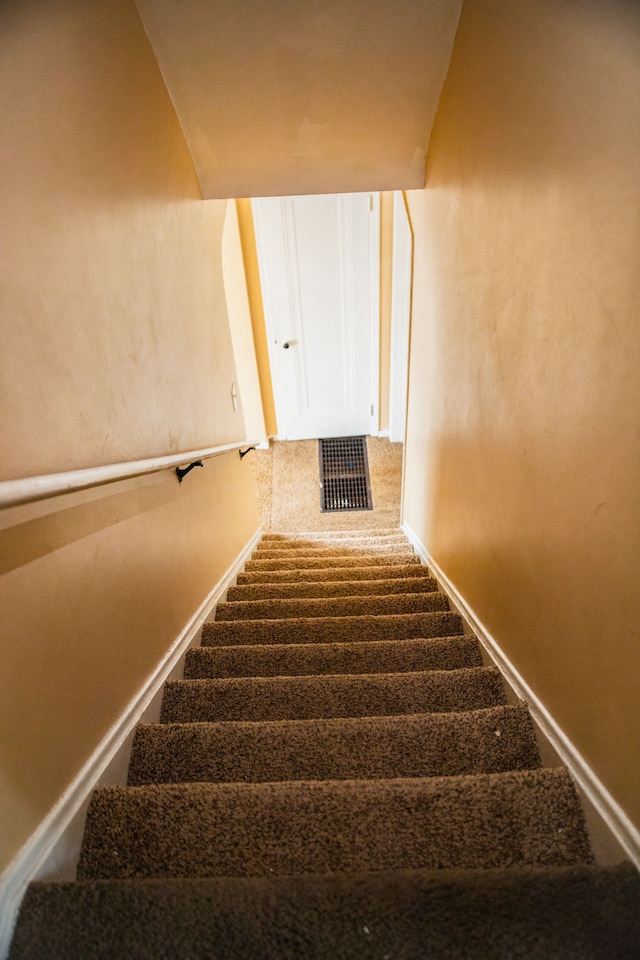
(181,472)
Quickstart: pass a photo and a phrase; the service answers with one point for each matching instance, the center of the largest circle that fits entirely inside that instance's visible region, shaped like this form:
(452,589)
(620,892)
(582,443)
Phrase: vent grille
(344,474)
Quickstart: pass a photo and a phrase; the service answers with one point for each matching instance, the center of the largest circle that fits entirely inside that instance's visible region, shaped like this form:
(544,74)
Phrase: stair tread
(260,829)
(480,741)
(388,533)
(304,659)
(381,559)
(330,588)
(331,606)
(564,913)
(303,551)
(405,626)
(322,573)
(333,695)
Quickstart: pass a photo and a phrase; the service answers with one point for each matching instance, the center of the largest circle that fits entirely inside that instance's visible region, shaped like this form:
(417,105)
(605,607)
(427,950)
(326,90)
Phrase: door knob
(286,345)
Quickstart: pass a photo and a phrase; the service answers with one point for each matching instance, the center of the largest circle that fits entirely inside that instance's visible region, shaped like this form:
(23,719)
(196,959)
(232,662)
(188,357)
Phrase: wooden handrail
(30,489)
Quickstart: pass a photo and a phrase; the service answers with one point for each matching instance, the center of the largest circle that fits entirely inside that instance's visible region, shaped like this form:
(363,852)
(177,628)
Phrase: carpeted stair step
(492,740)
(330,588)
(309,698)
(303,659)
(319,574)
(330,560)
(302,552)
(331,606)
(326,543)
(530,817)
(392,626)
(530,913)
(336,536)
(326,540)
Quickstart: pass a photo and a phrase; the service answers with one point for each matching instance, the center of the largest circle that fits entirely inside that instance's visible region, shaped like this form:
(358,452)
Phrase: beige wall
(524,450)
(115,340)
(115,345)
(94,588)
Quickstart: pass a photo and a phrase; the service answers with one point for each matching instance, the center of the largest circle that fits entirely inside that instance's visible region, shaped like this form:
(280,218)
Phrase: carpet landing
(338,777)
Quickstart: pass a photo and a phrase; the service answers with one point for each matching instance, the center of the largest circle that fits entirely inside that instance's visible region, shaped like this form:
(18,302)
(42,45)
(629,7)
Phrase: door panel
(319,282)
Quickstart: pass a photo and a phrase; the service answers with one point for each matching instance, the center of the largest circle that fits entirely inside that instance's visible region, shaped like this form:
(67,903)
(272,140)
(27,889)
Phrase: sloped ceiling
(304,96)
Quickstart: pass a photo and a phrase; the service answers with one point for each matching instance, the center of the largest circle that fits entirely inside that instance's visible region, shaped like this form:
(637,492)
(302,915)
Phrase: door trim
(374,255)
(401,284)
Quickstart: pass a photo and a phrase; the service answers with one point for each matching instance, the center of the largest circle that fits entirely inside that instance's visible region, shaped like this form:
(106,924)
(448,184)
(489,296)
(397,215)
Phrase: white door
(319,262)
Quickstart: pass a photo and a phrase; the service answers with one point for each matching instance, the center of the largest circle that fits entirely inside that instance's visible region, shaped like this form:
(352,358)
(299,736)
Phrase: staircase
(338,776)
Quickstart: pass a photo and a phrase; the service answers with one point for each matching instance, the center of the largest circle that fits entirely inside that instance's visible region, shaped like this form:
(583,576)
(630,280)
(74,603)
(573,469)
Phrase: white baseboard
(624,831)
(52,850)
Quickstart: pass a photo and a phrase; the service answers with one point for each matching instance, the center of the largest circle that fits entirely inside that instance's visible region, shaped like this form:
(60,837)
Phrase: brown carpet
(372,571)
(303,659)
(333,629)
(561,913)
(287,488)
(330,606)
(330,588)
(345,695)
(333,826)
(491,740)
(337,776)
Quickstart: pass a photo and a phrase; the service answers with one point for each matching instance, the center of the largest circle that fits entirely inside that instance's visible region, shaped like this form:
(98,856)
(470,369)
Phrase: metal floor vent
(344,474)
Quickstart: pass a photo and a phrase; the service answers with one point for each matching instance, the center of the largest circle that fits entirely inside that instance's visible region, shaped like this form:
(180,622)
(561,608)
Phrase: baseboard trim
(625,832)
(40,847)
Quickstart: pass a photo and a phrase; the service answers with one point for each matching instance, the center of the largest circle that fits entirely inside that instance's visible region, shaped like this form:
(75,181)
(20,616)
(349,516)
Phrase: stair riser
(564,913)
(323,574)
(331,606)
(334,537)
(449,653)
(329,540)
(304,552)
(308,698)
(486,741)
(311,563)
(333,629)
(282,829)
(331,588)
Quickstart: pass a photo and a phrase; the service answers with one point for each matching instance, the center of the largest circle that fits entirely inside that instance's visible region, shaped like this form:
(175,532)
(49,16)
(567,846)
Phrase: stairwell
(338,775)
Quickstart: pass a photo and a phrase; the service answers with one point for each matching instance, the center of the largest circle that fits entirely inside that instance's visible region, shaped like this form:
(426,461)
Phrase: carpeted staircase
(337,777)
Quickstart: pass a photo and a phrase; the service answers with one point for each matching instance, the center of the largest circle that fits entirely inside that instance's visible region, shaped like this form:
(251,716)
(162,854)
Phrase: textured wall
(115,345)
(524,444)
(115,340)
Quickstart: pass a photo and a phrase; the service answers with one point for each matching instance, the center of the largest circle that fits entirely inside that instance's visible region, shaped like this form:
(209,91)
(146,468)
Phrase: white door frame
(374,340)
(402,275)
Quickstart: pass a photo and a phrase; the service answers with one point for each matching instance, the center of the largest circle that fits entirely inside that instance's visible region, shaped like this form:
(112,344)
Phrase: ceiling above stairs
(304,96)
